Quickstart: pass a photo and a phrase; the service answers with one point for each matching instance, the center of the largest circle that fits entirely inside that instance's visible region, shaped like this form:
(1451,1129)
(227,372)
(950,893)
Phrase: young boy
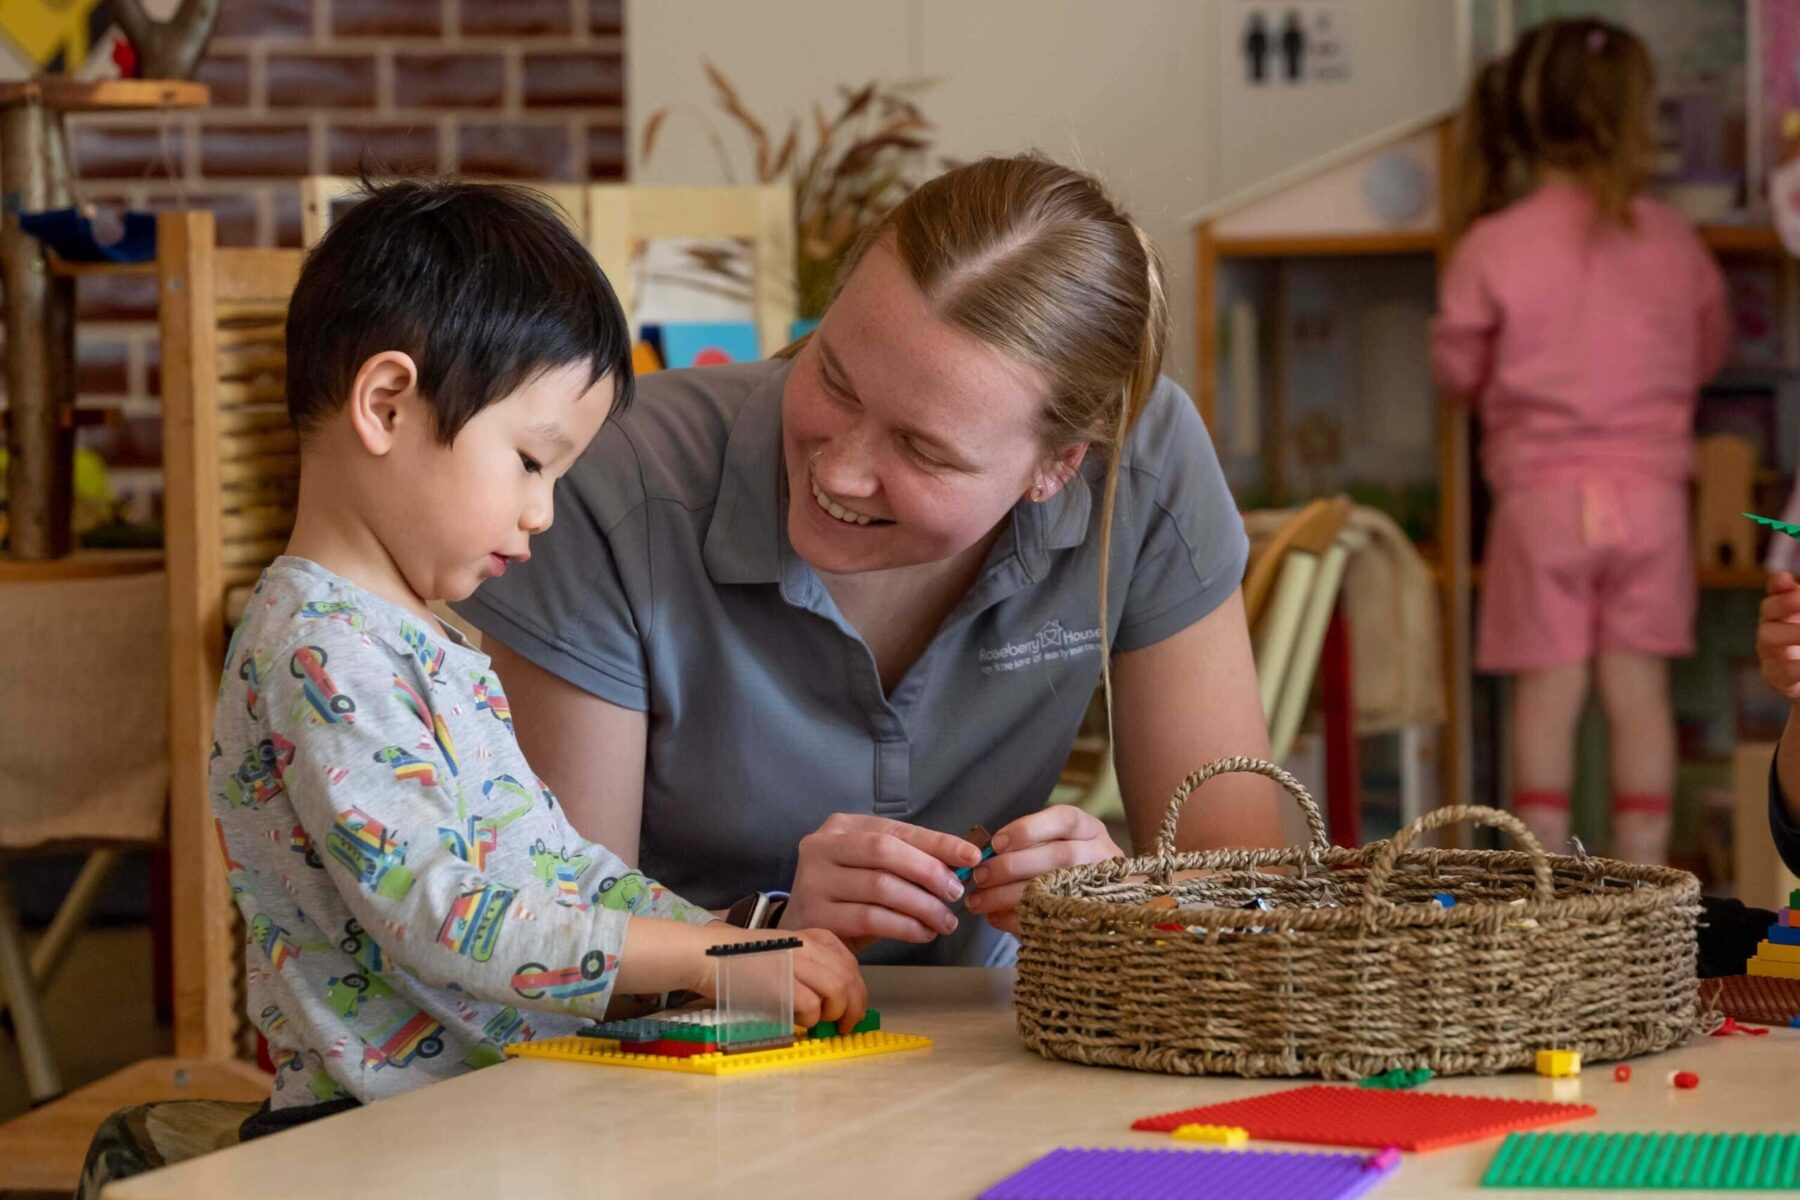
(414,897)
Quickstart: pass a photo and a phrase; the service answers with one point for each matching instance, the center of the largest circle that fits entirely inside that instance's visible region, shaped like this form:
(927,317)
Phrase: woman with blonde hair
(803,622)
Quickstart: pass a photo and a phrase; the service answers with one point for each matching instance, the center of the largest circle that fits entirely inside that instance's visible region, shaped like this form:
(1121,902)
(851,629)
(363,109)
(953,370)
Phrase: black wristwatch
(758,910)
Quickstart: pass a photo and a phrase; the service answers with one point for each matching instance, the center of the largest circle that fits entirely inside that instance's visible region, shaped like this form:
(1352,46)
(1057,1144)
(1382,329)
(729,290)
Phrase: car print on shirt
(323,701)
(258,778)
(592,975)
(363,845)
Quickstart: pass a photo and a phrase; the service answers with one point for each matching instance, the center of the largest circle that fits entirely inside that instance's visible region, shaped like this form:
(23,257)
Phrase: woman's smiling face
(905,440)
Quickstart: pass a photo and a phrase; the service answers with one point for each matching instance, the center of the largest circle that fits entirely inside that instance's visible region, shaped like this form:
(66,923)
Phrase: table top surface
(949,1121)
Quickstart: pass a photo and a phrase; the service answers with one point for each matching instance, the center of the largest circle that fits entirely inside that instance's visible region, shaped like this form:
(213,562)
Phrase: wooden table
(944,1122)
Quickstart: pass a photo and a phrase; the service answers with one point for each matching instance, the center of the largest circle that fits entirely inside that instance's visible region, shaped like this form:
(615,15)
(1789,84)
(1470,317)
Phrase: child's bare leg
(1640,723)
(1546,706)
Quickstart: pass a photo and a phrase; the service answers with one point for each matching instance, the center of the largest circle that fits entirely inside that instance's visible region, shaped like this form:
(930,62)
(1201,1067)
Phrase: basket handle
(1381,865)
(1165,841)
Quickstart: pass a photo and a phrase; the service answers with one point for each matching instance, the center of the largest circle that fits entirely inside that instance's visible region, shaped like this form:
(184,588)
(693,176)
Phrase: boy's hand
(1778,635)
(828,985)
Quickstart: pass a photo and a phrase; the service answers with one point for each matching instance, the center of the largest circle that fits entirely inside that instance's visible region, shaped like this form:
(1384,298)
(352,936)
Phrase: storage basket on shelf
(1348,966)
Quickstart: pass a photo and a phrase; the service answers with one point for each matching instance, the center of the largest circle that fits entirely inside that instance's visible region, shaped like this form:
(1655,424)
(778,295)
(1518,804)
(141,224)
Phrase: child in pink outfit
(1580,320)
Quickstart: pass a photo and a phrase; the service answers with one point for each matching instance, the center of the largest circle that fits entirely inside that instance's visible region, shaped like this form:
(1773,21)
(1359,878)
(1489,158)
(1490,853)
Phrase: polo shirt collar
(744,542)
(747,540)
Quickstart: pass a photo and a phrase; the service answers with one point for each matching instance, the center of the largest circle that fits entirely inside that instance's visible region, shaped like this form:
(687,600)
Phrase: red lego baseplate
(1352,1116)
(1760,998)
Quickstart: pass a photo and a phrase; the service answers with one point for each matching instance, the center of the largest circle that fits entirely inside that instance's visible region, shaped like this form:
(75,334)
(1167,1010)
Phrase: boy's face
(458,514)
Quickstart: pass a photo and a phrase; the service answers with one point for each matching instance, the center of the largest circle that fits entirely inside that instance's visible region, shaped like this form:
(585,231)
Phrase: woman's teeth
(847,516)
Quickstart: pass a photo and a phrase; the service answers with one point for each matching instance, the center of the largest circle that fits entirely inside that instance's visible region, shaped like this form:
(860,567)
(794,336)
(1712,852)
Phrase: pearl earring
(1037,494)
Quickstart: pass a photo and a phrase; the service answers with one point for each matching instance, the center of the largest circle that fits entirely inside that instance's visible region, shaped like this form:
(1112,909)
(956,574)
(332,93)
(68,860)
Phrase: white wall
(1122,88)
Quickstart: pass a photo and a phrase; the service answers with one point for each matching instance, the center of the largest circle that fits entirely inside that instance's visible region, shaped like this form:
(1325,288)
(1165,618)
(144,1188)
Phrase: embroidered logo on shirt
(1051,643)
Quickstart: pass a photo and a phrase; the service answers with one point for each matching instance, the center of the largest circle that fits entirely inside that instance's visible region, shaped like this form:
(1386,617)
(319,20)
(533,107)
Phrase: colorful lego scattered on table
(1647,1161)
(1195,1175)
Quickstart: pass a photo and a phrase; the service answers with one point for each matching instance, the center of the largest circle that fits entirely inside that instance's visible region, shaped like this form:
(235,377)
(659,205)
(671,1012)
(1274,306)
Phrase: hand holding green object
(1792,531)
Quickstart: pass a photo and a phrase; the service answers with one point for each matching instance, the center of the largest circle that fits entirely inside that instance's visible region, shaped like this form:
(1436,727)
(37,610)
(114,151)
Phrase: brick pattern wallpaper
(522,89)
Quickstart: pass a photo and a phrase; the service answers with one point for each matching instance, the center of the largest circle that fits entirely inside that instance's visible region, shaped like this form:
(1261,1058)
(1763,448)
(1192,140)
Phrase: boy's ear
(381,397)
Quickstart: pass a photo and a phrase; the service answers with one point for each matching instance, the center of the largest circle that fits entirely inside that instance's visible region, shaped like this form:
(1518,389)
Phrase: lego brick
(1647,1161)
(733,949)
(1228,1135)
(1399,1077)
(1794,898)
(1194,1175)
(1785,918)
(743,1045)
(1349,1116)
(963,873)
(1753,998)
(1558,1063)
(1784,935)
(809,1052)
(1770,969)
(670,1048)
(869,1024)
(1772,951)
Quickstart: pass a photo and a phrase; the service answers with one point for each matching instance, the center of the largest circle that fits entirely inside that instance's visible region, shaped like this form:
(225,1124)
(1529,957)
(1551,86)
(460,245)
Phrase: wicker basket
(1354,969)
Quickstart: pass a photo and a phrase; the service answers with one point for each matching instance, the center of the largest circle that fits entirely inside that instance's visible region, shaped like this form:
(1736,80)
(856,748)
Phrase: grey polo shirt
(667,585)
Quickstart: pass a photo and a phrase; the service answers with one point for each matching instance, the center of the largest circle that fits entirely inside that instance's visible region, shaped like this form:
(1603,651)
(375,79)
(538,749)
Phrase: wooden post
(40,339)
(1453,536)
(201,926)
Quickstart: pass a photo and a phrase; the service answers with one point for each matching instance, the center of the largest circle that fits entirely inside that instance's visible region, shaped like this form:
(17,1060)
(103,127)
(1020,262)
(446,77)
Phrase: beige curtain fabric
(84,696)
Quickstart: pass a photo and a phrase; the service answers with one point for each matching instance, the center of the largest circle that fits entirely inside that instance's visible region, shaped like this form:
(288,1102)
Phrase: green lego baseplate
(1792,531)
(601,1052)
(1733,1162)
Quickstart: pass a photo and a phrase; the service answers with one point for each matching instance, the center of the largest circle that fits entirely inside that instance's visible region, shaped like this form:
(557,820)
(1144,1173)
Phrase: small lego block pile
(1348,1116)
(707,1030)
(1648,1161)
(1195,1175)
(1778,955)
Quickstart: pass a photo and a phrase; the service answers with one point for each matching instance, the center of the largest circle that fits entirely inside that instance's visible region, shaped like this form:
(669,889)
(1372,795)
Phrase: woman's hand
(1778,635)
(1059,836)
(865,877)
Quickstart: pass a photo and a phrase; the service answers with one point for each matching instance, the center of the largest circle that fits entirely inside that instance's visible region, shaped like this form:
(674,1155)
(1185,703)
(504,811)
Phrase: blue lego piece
(1782,935)
(963,873)
(1443,899)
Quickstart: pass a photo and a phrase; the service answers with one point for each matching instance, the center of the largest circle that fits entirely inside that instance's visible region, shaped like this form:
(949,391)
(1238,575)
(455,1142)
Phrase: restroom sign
(1286,44)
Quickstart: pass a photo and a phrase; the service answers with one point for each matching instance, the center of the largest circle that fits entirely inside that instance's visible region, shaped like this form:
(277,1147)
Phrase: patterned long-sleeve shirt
(411,891)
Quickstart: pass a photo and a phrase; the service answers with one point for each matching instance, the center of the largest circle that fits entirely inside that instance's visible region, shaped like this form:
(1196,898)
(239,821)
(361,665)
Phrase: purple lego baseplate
(1195,1175)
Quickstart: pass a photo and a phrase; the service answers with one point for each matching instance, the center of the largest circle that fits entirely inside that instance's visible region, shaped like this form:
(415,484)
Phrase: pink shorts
(1582,565)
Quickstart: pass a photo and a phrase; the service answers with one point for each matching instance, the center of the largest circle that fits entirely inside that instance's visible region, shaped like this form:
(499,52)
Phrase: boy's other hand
(828,985)
(1778,635)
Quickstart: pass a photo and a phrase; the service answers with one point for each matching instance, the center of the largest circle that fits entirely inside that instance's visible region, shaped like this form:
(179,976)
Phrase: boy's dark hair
(482,284)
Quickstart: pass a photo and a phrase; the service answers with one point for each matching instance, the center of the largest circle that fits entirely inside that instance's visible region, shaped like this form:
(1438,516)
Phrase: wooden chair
(615,219)
(230,464)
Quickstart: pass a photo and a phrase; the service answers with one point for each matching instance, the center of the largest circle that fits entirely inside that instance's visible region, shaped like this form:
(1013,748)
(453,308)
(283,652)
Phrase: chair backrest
(1293,584)
(615,219)
(231,471)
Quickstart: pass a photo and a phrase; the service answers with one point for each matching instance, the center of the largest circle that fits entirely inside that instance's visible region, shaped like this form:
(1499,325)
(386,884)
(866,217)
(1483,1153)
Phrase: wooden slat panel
(258,553)
(273,333)
(242,446)
(265,275)
(265,470)
(202,936)
(259,358)
(258,420)
(261,522)
(264,391)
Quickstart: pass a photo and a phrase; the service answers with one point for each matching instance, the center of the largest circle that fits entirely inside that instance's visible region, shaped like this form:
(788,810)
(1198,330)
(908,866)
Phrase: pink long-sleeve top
(1581,344)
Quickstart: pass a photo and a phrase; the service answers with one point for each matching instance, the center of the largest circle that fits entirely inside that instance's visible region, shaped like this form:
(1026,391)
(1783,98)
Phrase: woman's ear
(1054,475)
(382,396)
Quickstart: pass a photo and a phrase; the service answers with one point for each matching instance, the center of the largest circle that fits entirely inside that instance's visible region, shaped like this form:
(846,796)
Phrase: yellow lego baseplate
(603,1053)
